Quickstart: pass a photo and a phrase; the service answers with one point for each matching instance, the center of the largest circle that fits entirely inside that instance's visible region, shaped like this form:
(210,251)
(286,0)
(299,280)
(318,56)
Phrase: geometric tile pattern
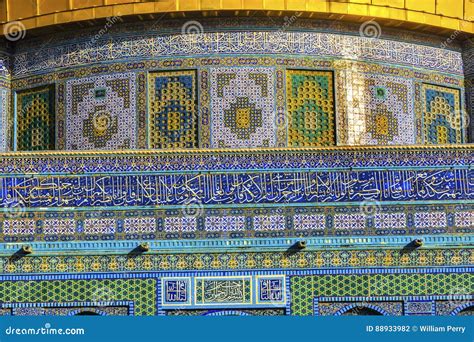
(388,109)
(419,307)
(305,289)
(398,76)
(310,105)
(468,61)
(446,308)
(273,222)
(19,227)
(248,104)
(59,227)
(180,224)
(464,219)
(442,119)
(395,220)
(390,221)
(139,225)
(235,261)
(309,222)
(172,103)
(347,157)
(141,291)
(101,112)
(349,221)
(430,220)
(35,119)
(102,225)
(470,103)
(224,223)
(243,107)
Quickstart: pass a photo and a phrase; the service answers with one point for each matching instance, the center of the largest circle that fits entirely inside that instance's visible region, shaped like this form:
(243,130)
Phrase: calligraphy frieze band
(221,43)
(237,188)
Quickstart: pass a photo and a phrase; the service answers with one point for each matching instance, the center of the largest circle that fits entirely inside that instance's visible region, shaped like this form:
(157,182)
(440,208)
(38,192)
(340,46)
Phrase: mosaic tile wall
(238,94)
(35,119)
(454,304)
(225,88)
(101,112)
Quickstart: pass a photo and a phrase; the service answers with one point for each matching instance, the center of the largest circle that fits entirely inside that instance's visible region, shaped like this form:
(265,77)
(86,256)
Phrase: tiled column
(4,98)
(468,57)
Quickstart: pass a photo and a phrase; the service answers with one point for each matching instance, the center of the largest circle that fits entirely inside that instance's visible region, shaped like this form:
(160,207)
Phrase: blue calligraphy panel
(237,188)
(176,291)
(223,290)
(271,290)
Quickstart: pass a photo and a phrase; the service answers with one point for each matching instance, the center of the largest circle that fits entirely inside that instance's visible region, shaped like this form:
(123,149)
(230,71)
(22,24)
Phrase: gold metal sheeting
(450,15)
